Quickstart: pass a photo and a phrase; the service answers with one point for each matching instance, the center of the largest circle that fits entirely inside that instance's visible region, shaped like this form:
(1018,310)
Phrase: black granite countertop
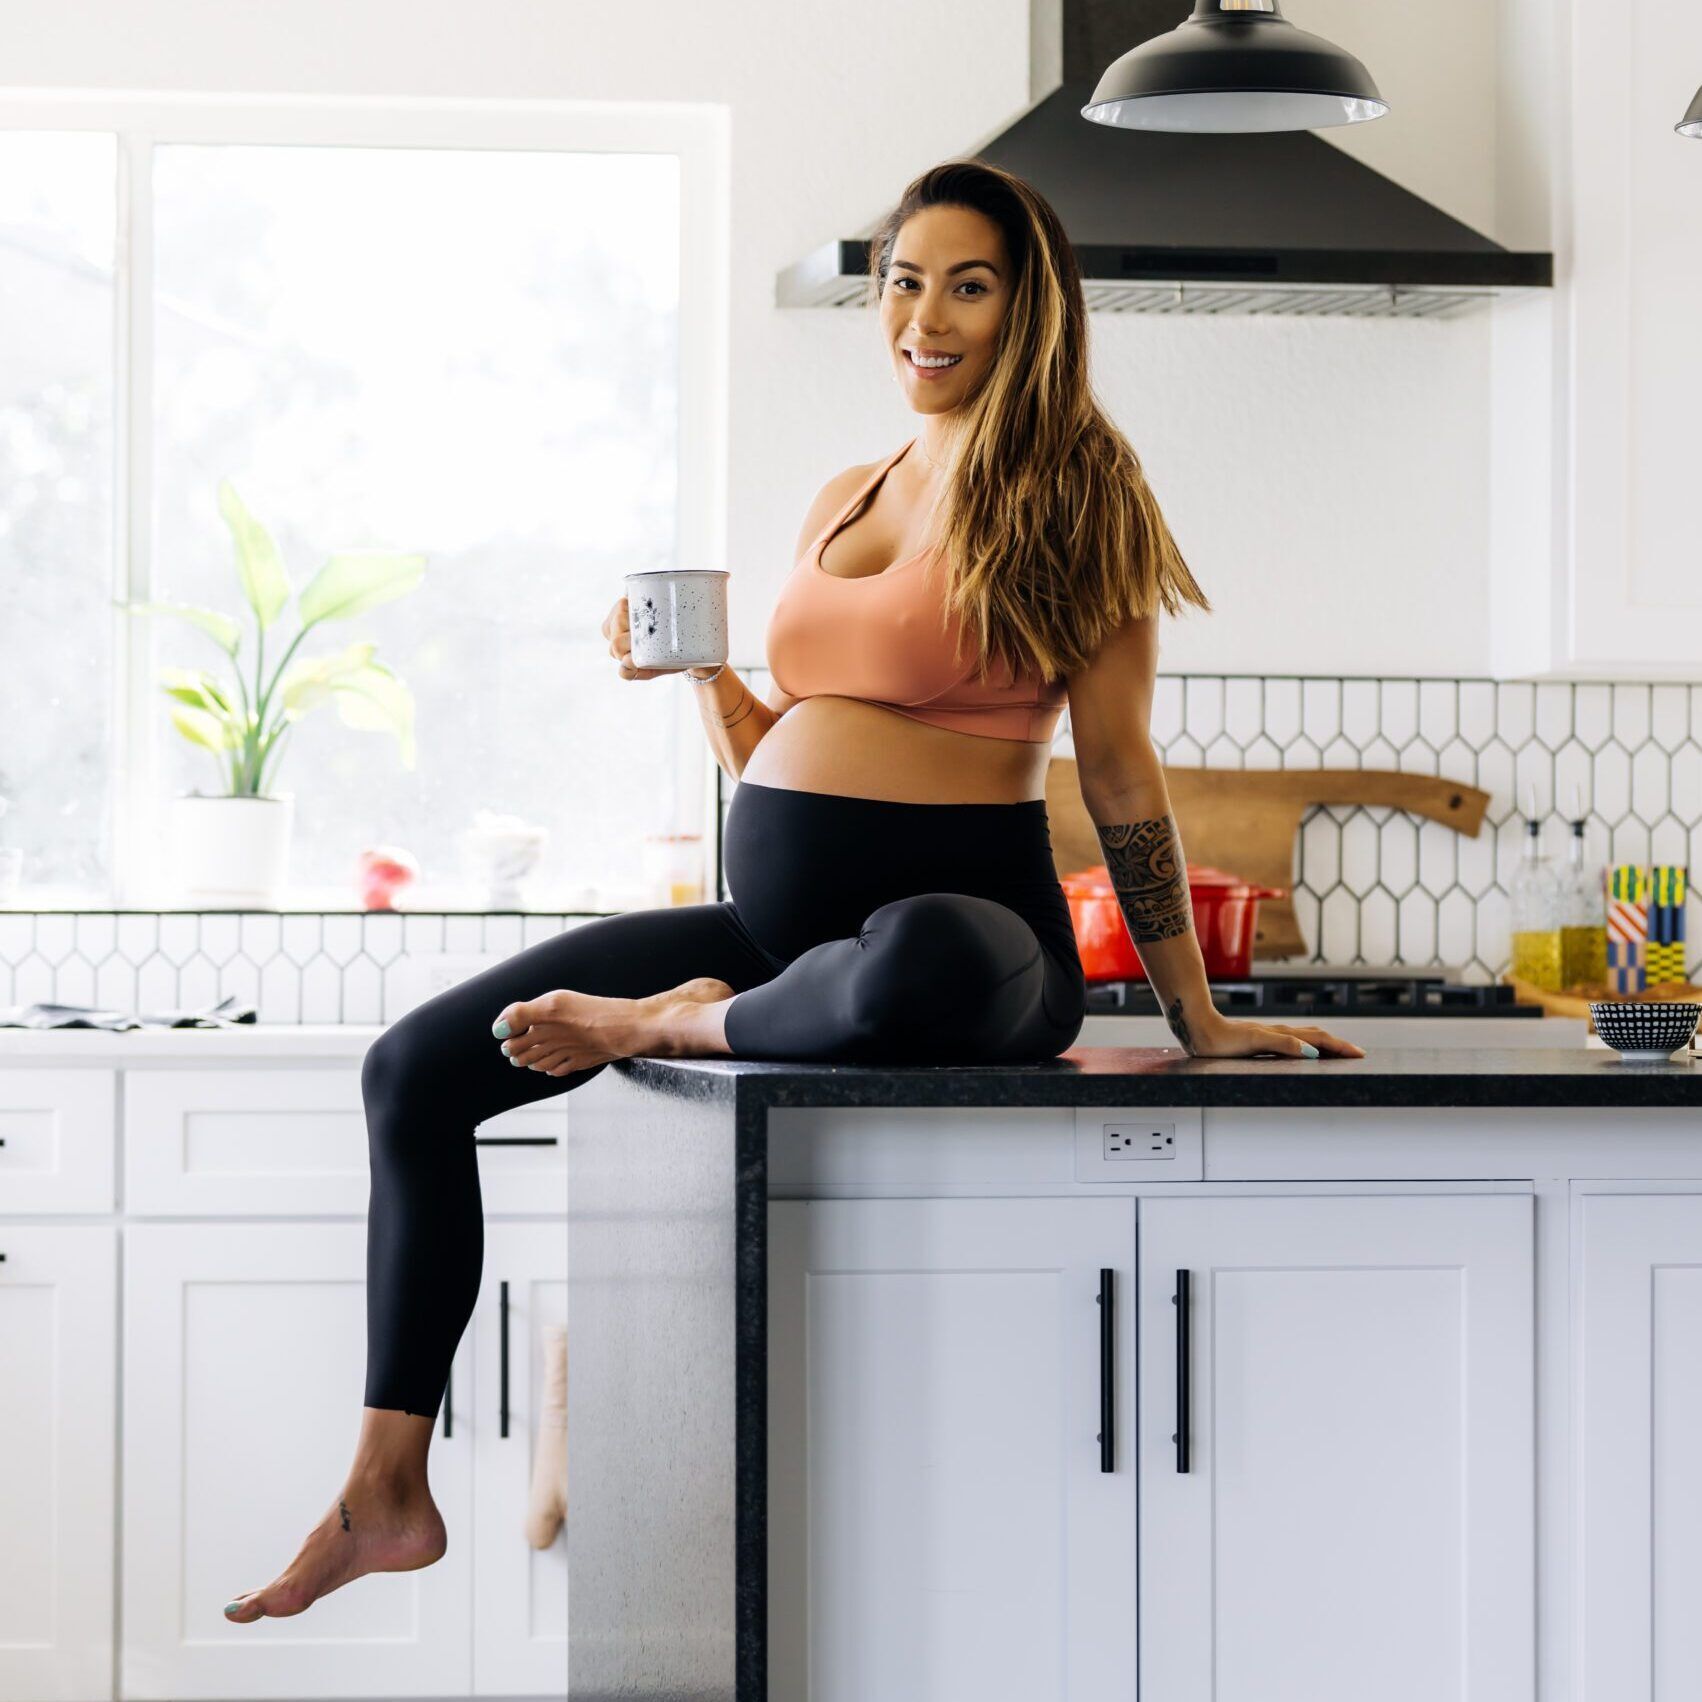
(1135,1075)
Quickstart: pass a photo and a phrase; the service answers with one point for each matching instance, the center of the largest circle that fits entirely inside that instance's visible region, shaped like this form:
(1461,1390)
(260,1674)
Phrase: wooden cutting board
(1244,821)
(1575,1001)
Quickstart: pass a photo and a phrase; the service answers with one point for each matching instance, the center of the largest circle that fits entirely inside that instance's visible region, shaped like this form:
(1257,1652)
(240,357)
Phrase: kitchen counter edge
(1128,1075)
(1084,1075)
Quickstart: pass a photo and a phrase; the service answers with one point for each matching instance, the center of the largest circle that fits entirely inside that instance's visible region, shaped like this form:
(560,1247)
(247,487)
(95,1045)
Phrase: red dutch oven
(1226,912)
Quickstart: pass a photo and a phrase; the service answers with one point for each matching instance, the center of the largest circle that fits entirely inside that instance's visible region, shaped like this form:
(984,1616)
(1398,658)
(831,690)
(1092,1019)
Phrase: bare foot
(366,1530)
(672,1037)
(565,1031)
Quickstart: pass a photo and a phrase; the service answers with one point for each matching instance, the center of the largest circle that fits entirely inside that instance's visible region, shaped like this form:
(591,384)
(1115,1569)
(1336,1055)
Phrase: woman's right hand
(617,629)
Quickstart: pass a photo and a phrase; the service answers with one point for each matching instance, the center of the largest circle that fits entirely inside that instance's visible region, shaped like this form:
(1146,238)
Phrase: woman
(894,890)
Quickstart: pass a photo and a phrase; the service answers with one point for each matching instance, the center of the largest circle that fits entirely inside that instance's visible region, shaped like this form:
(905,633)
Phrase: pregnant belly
(862,750)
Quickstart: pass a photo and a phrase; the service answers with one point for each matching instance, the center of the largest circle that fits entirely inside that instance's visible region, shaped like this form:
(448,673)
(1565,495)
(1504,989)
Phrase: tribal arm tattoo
(1150,877)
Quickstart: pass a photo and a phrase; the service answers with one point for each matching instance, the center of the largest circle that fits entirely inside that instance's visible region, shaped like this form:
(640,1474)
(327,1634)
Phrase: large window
(452,332)
(58,640)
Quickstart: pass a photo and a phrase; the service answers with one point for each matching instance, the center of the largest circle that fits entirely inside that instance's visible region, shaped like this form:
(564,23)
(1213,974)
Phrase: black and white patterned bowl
(1645,1032)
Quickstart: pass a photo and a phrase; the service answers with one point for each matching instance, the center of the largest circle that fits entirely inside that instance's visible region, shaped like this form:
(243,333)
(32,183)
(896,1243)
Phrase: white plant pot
(231,853)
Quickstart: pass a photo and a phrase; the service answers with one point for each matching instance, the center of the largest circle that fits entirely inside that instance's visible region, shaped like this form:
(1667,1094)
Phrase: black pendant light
(1235,65)
(1691,123)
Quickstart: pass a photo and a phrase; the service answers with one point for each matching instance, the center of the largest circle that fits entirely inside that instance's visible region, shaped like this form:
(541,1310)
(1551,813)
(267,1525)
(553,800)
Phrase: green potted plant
(231,848)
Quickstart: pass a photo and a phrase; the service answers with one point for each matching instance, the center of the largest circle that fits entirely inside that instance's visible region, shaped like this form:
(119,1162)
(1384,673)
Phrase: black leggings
(860,930)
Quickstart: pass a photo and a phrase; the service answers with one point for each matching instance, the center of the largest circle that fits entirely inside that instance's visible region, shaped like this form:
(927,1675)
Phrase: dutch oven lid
(1096,883)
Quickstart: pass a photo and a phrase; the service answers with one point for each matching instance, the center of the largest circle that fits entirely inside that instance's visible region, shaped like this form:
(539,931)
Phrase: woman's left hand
(1230,1037)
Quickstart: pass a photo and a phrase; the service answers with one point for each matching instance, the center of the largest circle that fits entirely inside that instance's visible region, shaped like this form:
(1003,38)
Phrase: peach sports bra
(878,637)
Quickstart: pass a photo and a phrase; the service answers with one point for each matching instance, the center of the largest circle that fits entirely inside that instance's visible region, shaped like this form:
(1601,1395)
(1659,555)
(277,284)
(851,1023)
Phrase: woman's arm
(1122,784)
(734,717)
(1149,873)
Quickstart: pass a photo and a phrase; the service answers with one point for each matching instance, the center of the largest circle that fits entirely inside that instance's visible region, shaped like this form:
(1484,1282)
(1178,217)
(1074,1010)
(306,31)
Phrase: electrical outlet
(1139,1140)
(1139,1146)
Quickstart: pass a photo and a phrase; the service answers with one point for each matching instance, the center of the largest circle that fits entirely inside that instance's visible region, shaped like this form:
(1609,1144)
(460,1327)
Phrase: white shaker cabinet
(58,1380)
(180,1399)
(1595,507)
(1352,1379)
(240,1432)
(1627,200)
(1638,1390)
(56,1141)
(244,1355)
(940,1526)
(293,1142)
(1355,1517)
(519,1593)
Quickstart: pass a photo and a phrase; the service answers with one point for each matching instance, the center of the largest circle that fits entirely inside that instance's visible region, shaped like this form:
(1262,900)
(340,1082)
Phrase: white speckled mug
(678,617)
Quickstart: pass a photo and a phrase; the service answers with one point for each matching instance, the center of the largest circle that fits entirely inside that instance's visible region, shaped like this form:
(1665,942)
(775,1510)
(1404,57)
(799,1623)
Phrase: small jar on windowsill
(673,867)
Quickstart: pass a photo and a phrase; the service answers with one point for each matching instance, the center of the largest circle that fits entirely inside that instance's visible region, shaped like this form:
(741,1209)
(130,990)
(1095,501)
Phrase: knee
(947,939)
(397,1064)
(929,956)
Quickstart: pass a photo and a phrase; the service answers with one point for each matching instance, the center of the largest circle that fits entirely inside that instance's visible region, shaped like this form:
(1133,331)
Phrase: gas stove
(1282,990)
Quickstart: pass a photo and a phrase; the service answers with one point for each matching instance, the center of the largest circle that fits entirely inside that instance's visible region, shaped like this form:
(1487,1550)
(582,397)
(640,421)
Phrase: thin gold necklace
(927,457)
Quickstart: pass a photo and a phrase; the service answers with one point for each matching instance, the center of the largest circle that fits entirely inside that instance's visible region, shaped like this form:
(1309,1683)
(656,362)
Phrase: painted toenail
(501,1029)
(514,1061)
(230,1605)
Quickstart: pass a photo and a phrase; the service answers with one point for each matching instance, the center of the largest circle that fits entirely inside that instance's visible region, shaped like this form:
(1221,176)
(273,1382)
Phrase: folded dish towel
(225,1014)
(546,1504)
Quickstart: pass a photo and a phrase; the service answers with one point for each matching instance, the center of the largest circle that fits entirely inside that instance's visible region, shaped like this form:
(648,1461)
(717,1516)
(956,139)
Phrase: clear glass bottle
(1535,896)
(1583,916)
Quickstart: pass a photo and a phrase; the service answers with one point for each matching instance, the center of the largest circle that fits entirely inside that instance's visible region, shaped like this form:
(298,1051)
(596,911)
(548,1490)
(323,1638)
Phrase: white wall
(1328,479)
(1436,66)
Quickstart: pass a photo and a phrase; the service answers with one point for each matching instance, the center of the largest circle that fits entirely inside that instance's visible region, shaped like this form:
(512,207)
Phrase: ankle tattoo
(343,1507)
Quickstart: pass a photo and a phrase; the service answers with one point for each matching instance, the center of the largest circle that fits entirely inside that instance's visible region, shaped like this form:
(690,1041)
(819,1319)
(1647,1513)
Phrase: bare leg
(383,1520)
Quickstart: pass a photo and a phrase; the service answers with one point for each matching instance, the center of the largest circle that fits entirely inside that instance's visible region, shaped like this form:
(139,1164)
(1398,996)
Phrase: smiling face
(947,285)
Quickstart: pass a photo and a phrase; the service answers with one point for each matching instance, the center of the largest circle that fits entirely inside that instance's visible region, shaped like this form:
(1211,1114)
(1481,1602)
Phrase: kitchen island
(859,1407)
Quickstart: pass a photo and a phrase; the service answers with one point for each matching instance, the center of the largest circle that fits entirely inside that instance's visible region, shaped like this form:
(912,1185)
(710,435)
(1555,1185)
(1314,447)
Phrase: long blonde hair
(1051,534)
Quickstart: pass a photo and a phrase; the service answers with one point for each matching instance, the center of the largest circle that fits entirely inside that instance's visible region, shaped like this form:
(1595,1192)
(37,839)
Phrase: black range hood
(1164,222)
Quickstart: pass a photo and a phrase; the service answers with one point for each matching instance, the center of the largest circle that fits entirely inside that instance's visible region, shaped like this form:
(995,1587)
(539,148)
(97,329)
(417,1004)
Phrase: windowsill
(278,910)
(583,901)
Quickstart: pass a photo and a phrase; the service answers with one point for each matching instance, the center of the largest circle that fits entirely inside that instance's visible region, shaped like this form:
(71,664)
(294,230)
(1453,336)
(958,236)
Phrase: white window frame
(696,134)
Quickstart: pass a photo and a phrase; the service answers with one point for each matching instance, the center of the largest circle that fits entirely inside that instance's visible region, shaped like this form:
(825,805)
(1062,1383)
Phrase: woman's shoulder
(828,501)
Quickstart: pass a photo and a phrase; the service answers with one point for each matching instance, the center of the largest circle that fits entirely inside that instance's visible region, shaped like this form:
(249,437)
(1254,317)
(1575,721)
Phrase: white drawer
(56,1140)
(292,1143)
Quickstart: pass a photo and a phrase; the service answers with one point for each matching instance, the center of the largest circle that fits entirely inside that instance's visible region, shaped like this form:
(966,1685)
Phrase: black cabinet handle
(448,1400)
(503,1341)
(516,1140)
(1180,1301)
(1107,1437)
